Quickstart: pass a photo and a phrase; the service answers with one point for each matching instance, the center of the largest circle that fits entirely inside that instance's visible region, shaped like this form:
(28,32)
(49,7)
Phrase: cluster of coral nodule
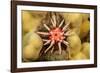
(54,36)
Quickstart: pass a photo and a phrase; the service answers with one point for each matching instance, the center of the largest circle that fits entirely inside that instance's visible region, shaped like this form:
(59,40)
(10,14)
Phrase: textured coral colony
(54,36)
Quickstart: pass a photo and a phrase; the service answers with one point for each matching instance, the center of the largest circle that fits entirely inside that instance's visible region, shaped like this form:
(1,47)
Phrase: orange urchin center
(56,35)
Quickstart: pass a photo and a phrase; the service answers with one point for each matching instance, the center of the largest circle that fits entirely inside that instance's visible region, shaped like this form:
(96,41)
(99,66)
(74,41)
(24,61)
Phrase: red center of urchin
(56,35)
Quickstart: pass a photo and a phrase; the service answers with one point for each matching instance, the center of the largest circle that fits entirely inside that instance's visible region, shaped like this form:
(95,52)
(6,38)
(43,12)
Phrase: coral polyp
(56,34)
